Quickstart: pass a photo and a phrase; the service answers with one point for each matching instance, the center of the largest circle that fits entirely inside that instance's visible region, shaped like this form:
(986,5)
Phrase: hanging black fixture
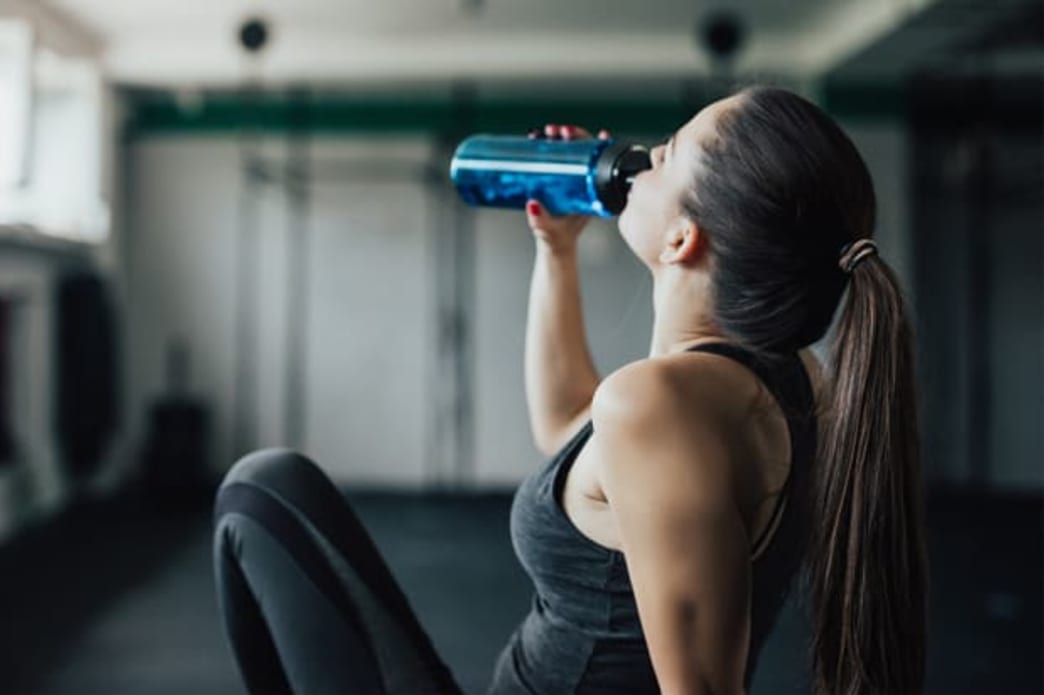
(253,34)
(722,34)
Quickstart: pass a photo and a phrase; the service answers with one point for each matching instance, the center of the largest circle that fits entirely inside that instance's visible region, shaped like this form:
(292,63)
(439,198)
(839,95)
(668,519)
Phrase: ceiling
(999,36)
(193,42)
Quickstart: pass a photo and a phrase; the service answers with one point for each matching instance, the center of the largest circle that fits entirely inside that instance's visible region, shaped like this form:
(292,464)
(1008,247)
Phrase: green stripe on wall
(229,112)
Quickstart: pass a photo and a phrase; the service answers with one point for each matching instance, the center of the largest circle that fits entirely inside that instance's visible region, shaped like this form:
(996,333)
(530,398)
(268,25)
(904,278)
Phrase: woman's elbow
(543,439)
(701,687)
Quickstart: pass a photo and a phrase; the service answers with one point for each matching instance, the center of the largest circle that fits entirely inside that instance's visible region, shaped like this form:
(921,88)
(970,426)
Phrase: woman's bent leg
(308,603)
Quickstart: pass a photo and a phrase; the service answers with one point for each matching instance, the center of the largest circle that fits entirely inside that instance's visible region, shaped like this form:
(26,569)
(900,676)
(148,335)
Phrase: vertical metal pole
(244,411)
(464,307)
(434,435)
(464,362)
(450,379)
(451,434)
(298,182)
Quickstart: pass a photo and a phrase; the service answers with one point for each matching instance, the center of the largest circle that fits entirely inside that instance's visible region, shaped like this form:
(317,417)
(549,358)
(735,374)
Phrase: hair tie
(853,253)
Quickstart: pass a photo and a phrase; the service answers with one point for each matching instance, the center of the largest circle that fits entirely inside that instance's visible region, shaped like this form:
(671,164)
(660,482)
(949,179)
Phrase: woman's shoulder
(696,407)
(665,419)
(680,385)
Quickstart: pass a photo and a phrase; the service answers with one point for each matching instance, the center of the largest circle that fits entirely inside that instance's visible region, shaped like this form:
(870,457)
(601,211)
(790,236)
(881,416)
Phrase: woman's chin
(623,221)
(623,229)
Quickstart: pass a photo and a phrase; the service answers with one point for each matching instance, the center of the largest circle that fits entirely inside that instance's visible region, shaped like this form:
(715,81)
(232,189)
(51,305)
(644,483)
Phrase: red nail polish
(533,207)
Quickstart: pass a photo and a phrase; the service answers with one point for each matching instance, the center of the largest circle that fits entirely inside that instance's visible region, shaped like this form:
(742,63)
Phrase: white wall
(375,411)
(179,228)
(367,322)
(370,326)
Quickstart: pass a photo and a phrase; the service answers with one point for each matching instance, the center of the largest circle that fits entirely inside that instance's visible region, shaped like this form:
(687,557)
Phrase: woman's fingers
(540,216)
(572,132)
(554,131)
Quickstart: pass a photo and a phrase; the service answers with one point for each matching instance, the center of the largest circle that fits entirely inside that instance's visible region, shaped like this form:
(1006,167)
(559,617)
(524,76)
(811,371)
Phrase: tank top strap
(785,377)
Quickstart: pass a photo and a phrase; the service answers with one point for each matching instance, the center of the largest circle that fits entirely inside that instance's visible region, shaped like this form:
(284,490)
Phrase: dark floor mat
(118,597)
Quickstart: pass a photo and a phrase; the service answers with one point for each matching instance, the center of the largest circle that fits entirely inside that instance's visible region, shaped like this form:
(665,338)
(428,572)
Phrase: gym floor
(117,597)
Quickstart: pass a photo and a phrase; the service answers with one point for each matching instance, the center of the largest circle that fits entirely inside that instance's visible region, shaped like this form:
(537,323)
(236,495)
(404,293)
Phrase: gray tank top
(582,633)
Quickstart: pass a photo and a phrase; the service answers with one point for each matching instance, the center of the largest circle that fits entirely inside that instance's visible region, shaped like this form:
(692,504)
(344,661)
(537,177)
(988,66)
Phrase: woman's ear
(684,243)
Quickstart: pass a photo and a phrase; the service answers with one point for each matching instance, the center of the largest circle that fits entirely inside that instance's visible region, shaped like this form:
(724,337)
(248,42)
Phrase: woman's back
(583,633)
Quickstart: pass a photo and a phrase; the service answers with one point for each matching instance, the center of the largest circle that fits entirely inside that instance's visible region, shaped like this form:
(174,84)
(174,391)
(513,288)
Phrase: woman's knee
(254,484)
(265,466)
(287,477)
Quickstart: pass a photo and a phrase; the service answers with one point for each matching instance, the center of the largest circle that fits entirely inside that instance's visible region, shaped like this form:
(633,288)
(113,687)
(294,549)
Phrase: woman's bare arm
(667,469)
(560,375)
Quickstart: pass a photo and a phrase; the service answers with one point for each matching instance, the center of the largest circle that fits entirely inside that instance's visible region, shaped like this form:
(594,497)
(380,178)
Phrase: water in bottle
(590,177)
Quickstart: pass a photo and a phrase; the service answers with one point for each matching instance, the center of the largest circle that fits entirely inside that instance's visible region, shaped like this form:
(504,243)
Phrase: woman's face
(654,203)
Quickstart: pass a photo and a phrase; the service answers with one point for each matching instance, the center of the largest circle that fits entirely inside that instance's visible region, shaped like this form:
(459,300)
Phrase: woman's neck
(682,310)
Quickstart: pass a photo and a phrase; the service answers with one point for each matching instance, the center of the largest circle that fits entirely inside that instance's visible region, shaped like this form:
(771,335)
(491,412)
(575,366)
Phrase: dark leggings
(308,604)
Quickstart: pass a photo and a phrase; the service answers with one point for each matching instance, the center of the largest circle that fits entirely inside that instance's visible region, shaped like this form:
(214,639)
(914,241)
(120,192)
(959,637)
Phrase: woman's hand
(559,232)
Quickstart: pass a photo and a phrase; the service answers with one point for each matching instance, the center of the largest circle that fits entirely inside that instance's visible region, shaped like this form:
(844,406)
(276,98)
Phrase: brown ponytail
(867,565)
(780,192)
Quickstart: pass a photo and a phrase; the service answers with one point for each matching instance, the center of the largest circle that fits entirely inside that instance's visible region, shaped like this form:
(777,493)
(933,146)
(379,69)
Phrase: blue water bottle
(589,177)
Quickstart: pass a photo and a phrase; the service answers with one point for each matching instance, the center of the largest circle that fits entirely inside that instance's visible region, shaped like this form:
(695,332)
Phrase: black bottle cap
(615,170)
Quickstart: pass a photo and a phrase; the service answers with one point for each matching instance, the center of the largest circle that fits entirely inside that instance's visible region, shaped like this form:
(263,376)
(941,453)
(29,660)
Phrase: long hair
(780,192)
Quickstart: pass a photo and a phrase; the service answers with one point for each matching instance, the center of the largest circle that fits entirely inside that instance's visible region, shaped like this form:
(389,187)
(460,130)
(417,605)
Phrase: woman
(687,489)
